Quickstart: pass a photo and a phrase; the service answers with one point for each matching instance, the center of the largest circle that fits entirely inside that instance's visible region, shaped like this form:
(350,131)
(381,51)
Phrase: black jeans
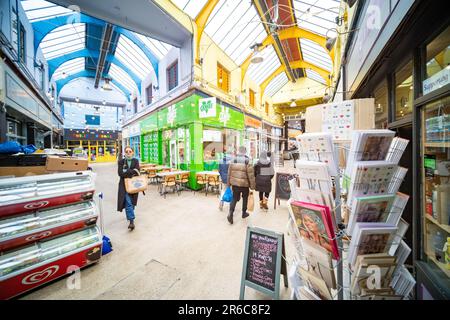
(261,194)
(237,196)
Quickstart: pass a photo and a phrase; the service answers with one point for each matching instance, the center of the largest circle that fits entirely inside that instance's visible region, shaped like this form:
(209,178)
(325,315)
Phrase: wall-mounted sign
(92,120)
(224,116)
(207,107)
(252,122)
(436,81)
(92,135)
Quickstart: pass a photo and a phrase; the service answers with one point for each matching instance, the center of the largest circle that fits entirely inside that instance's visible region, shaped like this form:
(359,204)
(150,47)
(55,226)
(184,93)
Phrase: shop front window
(381,105)
(404,91)
(212,148)
(438,63)
(436,185)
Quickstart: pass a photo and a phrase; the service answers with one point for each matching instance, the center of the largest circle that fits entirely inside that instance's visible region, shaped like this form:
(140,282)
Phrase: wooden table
(158,168)
(209,173)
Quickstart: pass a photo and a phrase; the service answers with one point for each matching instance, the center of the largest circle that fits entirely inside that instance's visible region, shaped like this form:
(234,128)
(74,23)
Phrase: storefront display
(436,182)
(191,134)
(98,145)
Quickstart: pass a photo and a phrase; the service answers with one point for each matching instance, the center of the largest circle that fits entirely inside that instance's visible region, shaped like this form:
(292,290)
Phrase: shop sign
(252,122)
(436,81)
(207,107)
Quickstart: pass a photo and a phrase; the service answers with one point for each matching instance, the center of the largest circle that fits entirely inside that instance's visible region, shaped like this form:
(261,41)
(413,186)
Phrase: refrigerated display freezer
(27,228)
(26,194)
(29,267)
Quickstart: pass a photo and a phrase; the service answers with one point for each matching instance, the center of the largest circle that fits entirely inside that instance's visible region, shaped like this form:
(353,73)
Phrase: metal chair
(183,180)
(202,182)
(214,183)
(169,182)
(152,177)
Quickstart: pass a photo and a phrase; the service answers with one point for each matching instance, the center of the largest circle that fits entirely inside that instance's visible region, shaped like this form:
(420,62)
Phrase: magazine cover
(314,223)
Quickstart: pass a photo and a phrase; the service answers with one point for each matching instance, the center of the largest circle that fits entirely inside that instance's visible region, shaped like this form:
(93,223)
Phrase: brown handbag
(136,184)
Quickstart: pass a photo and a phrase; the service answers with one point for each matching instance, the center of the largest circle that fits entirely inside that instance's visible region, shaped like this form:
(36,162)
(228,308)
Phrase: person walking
(223,171)
(127,168)
(241,178)
(264,173)
(294,153)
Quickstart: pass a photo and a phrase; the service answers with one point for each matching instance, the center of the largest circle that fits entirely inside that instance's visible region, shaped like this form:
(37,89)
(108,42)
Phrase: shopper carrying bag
(264,173)
(128,168)
(241,177)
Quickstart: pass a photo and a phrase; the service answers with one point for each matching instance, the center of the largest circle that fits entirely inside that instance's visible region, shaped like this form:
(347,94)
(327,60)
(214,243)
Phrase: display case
(435,137)
(26,228)
(28,267)
(27,194)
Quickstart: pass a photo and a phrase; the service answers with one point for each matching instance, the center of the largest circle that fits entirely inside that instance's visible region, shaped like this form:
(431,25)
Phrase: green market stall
(192,134)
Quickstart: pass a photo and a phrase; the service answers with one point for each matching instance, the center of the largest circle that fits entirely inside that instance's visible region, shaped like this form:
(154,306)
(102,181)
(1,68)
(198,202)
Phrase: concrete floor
(182,248)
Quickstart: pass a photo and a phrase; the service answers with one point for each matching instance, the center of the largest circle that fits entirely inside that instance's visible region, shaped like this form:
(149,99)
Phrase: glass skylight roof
(191,7)
(63,40)
(235,26)
(259,72)
(38,10)
(68,68)
(133,57)
(71,37)
(276,84)
(122,77)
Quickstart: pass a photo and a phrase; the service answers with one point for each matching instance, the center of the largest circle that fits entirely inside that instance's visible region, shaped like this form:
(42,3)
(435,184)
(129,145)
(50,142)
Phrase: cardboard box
(363,115)
(55,163)
(23,171)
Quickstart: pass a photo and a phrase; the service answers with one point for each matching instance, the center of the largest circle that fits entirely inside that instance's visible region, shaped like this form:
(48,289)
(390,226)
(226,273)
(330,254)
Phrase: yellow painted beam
(306,65)
(294,65)
(201,20)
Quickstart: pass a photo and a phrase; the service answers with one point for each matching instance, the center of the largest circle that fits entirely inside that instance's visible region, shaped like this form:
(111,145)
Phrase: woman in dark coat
(264,173)
(127,168)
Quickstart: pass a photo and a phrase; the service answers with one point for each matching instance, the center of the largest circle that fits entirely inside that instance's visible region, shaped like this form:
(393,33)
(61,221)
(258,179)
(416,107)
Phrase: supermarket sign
(207,107)
(436,81)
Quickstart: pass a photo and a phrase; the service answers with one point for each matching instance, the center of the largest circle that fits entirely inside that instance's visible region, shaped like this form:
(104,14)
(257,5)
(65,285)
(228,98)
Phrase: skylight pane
(193,7)
(38,10)
(315,76)
(315,54)
(133,57)
(122,77)
(276,84)
(63,40)
(158,48)
(69,67)
(317,16)
(261,71)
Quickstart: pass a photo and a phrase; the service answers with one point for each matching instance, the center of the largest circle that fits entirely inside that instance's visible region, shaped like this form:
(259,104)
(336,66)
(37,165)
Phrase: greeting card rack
(342,183)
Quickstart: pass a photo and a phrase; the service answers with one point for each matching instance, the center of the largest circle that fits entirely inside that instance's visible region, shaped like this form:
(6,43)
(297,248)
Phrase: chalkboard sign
(282,188)
(263,262)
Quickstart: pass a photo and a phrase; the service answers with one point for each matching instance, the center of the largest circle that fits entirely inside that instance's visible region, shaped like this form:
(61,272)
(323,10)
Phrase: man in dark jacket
(241,177)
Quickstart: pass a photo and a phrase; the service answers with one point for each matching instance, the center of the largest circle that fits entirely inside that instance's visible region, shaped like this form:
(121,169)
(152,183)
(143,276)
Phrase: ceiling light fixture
(293,104)
(256,56)
(77,99)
